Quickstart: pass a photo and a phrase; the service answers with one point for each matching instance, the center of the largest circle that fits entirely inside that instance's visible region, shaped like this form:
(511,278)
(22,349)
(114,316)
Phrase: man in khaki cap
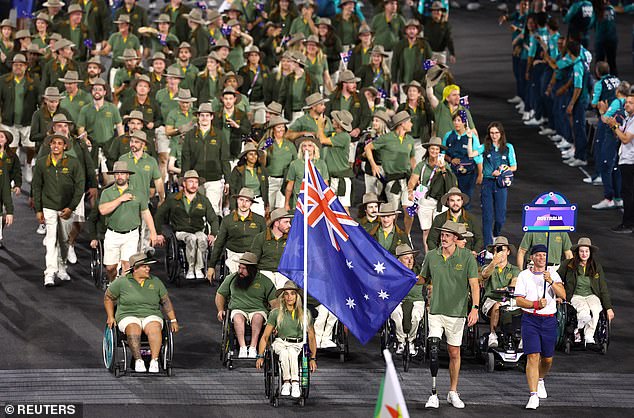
(237,231)
(269,245)
(41,119)
(190,214)
(75,31)
(18,102)
(63,60)
(387,233)
(123,207)
(306,125)
(74,97)
(346,97)
(370,206)
(120,41)
(125,75)
(121,144)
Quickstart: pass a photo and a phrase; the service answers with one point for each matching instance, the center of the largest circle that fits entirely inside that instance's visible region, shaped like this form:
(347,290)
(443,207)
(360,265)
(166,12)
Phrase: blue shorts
(539,334)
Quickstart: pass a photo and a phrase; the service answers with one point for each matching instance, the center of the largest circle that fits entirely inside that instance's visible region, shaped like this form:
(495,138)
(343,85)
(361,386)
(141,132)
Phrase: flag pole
(305,206)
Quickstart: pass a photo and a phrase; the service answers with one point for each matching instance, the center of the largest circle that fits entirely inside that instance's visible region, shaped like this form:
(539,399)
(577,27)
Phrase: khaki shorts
(452,327)
(142,322)
(489,303)
(248,316)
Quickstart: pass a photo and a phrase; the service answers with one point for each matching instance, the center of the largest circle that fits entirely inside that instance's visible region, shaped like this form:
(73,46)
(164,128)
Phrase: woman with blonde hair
(288,323)
(317,63)
(380,126)
(295,173)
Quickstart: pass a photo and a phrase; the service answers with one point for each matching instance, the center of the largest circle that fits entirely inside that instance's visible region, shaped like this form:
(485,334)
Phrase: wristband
(536,305)
(259,356)
(475,307)
(313,359)
(173,320)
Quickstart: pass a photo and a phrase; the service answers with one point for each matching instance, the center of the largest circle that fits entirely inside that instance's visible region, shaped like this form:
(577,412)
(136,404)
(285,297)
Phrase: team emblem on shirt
(459,267)
(146,168)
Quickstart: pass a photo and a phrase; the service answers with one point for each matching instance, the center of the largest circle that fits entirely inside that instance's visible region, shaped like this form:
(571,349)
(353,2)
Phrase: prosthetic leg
(434,349)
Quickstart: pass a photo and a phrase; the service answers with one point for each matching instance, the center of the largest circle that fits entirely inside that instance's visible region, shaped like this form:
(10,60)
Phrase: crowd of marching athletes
(200,118)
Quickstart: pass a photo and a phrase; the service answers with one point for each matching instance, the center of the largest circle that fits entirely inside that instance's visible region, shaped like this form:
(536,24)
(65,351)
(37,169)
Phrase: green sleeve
(472,266)
(6,196)
(526,241)
(341,140)
(156,173)
(212,218)
(81,119)
(256,245)
(80,184)
(162,214)
(290,175)
(424,270)
(219,245)
(225,286)
(272,318)
(115,287)
(567,244)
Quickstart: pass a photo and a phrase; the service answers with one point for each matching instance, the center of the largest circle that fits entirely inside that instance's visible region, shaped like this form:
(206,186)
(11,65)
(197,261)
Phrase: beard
(244,282)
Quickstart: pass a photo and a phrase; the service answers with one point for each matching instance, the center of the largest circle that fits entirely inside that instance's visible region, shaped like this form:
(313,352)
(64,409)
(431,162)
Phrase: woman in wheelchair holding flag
(140,297)
(287,322)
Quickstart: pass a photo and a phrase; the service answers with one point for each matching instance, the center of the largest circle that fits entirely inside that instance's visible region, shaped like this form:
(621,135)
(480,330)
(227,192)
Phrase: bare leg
(74,232)
(495,317)
(256,327)
(133,331)
(154,337)
(544,366)
(238,325)
(425,235)
(163,158)
(454,366)
(111,273)
(532,371)
(408,221)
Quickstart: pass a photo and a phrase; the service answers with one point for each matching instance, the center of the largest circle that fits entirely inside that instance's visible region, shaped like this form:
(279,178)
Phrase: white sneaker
(564,145)
(473,6)
(244,352)
(139,366)
(62,275)
(541,389)
(556,138)
(190,275)
(399,349)
(71,257)
(502,7)
(533,122)
(455,5)
(547,131)
(327,343)
(253,352)
(41,229)
(526,115)
(154,366)
(515,99)
(453,398)
(604,204)
(493,340)
(412,349)
(590,340)
(432,402)
(594,181)
(617,202)
(533,402)
(578,163)
(286,389)
(49,280)
(296,391)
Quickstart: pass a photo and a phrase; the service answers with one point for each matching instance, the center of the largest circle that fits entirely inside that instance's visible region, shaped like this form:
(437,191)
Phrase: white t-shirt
(626,152)
(531,286)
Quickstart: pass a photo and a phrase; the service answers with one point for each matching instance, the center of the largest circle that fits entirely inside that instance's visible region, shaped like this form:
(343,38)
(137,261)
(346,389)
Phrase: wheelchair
(339,336)
(273,376)
(118,359)
(389,341)
(176,264)
(229,346)
(568,324)
(508,352)
(97,269)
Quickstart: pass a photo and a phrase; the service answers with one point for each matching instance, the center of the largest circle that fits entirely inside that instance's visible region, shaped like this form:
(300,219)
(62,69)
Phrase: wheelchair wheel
(182,266)
(97,271)
(172,266)
(342,341)
(268,375)
(304,376)
(167,349)
(406,356)
(275,378)
(225,347)
(109,348)
(385,336)
(490,362)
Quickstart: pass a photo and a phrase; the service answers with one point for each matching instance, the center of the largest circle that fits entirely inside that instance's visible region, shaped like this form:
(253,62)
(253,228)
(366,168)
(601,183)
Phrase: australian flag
(348,271)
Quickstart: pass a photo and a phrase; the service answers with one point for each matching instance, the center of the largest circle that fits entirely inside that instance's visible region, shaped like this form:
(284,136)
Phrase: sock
(533,393)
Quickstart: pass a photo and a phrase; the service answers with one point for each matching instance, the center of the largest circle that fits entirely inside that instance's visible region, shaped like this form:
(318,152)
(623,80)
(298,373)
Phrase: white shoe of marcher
(41,229)
(62,275)
(473,6)
(139,366)
(243,353)
(493,340)
(286,389)
(432,402)
(154,366)
(515,99)
(541,389)
(453,398)
(547,131)
(399,349)
(455,5)
(578,163)
(327,343)
(412,349)
(532,122)
(526,116)
(253,352)
(296,391)
(533,402)
(604,204)
(190,275)
(71,257)
(502,7)
(49,280)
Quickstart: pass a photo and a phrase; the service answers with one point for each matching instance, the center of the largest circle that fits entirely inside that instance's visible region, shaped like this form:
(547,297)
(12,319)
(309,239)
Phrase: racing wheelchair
(273,376)
(229,345)
(567,323)
(176,264)
(117,357)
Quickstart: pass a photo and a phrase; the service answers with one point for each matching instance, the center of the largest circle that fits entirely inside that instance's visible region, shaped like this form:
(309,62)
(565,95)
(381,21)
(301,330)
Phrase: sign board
(549,212)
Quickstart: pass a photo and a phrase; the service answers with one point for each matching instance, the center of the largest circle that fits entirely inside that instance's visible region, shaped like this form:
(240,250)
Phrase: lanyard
(255,79)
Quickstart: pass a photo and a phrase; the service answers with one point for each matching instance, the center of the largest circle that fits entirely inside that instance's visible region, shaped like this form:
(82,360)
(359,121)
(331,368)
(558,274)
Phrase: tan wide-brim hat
(434,140)
(193,174)
(52,93)
(400,117)
(140,259)
(387,209)
(277,120)
(49,138)
(307,138)
(343,118)
(70,77)
(500,241)
(280,213)
(379,50)
(405,249)
(414,84)
(120,167)
(275,108)
(451,192)
(134,114)
(248,259)
(370,197)
(435,74)
(348,76)
(584,242)
(453,228)
(229,75)
(185,95)
(315,99)
(248,148)
(246,193)
(289,285)
(61,118)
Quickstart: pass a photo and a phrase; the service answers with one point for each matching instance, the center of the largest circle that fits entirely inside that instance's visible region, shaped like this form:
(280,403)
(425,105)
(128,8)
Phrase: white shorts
(277,278)
(119,247)
(142,322)
(488,305)
(79,214)
(352,152)
(214,191)
(401,199)
(20,136)
(452,328)
(345,199)
(259,112)
(427,212)
(248,316)
(161,139)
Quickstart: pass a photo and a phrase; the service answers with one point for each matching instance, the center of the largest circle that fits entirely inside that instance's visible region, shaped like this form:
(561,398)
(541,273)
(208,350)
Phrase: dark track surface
(61,328)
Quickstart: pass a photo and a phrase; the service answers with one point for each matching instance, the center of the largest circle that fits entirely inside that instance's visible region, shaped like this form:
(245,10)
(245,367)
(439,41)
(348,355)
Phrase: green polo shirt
(395,154)
(306,123)
(424,170)
(297,88)
(18,98)
(146,170)
(127,215)
(316,69)
(177,118)
(385,240)
(450,279)
(415,294)
(190,73)
(291,325)
(337,156)
(136,300)
(74,104)
(296,174)
(236,234)
(584,288)
(347,31)
(387,34)
(255,298)
(119,44)
(559,242)
(166,100)
(500,278)
(300,25)
(100,124)
(279,156)
(442,116)
(268,249)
